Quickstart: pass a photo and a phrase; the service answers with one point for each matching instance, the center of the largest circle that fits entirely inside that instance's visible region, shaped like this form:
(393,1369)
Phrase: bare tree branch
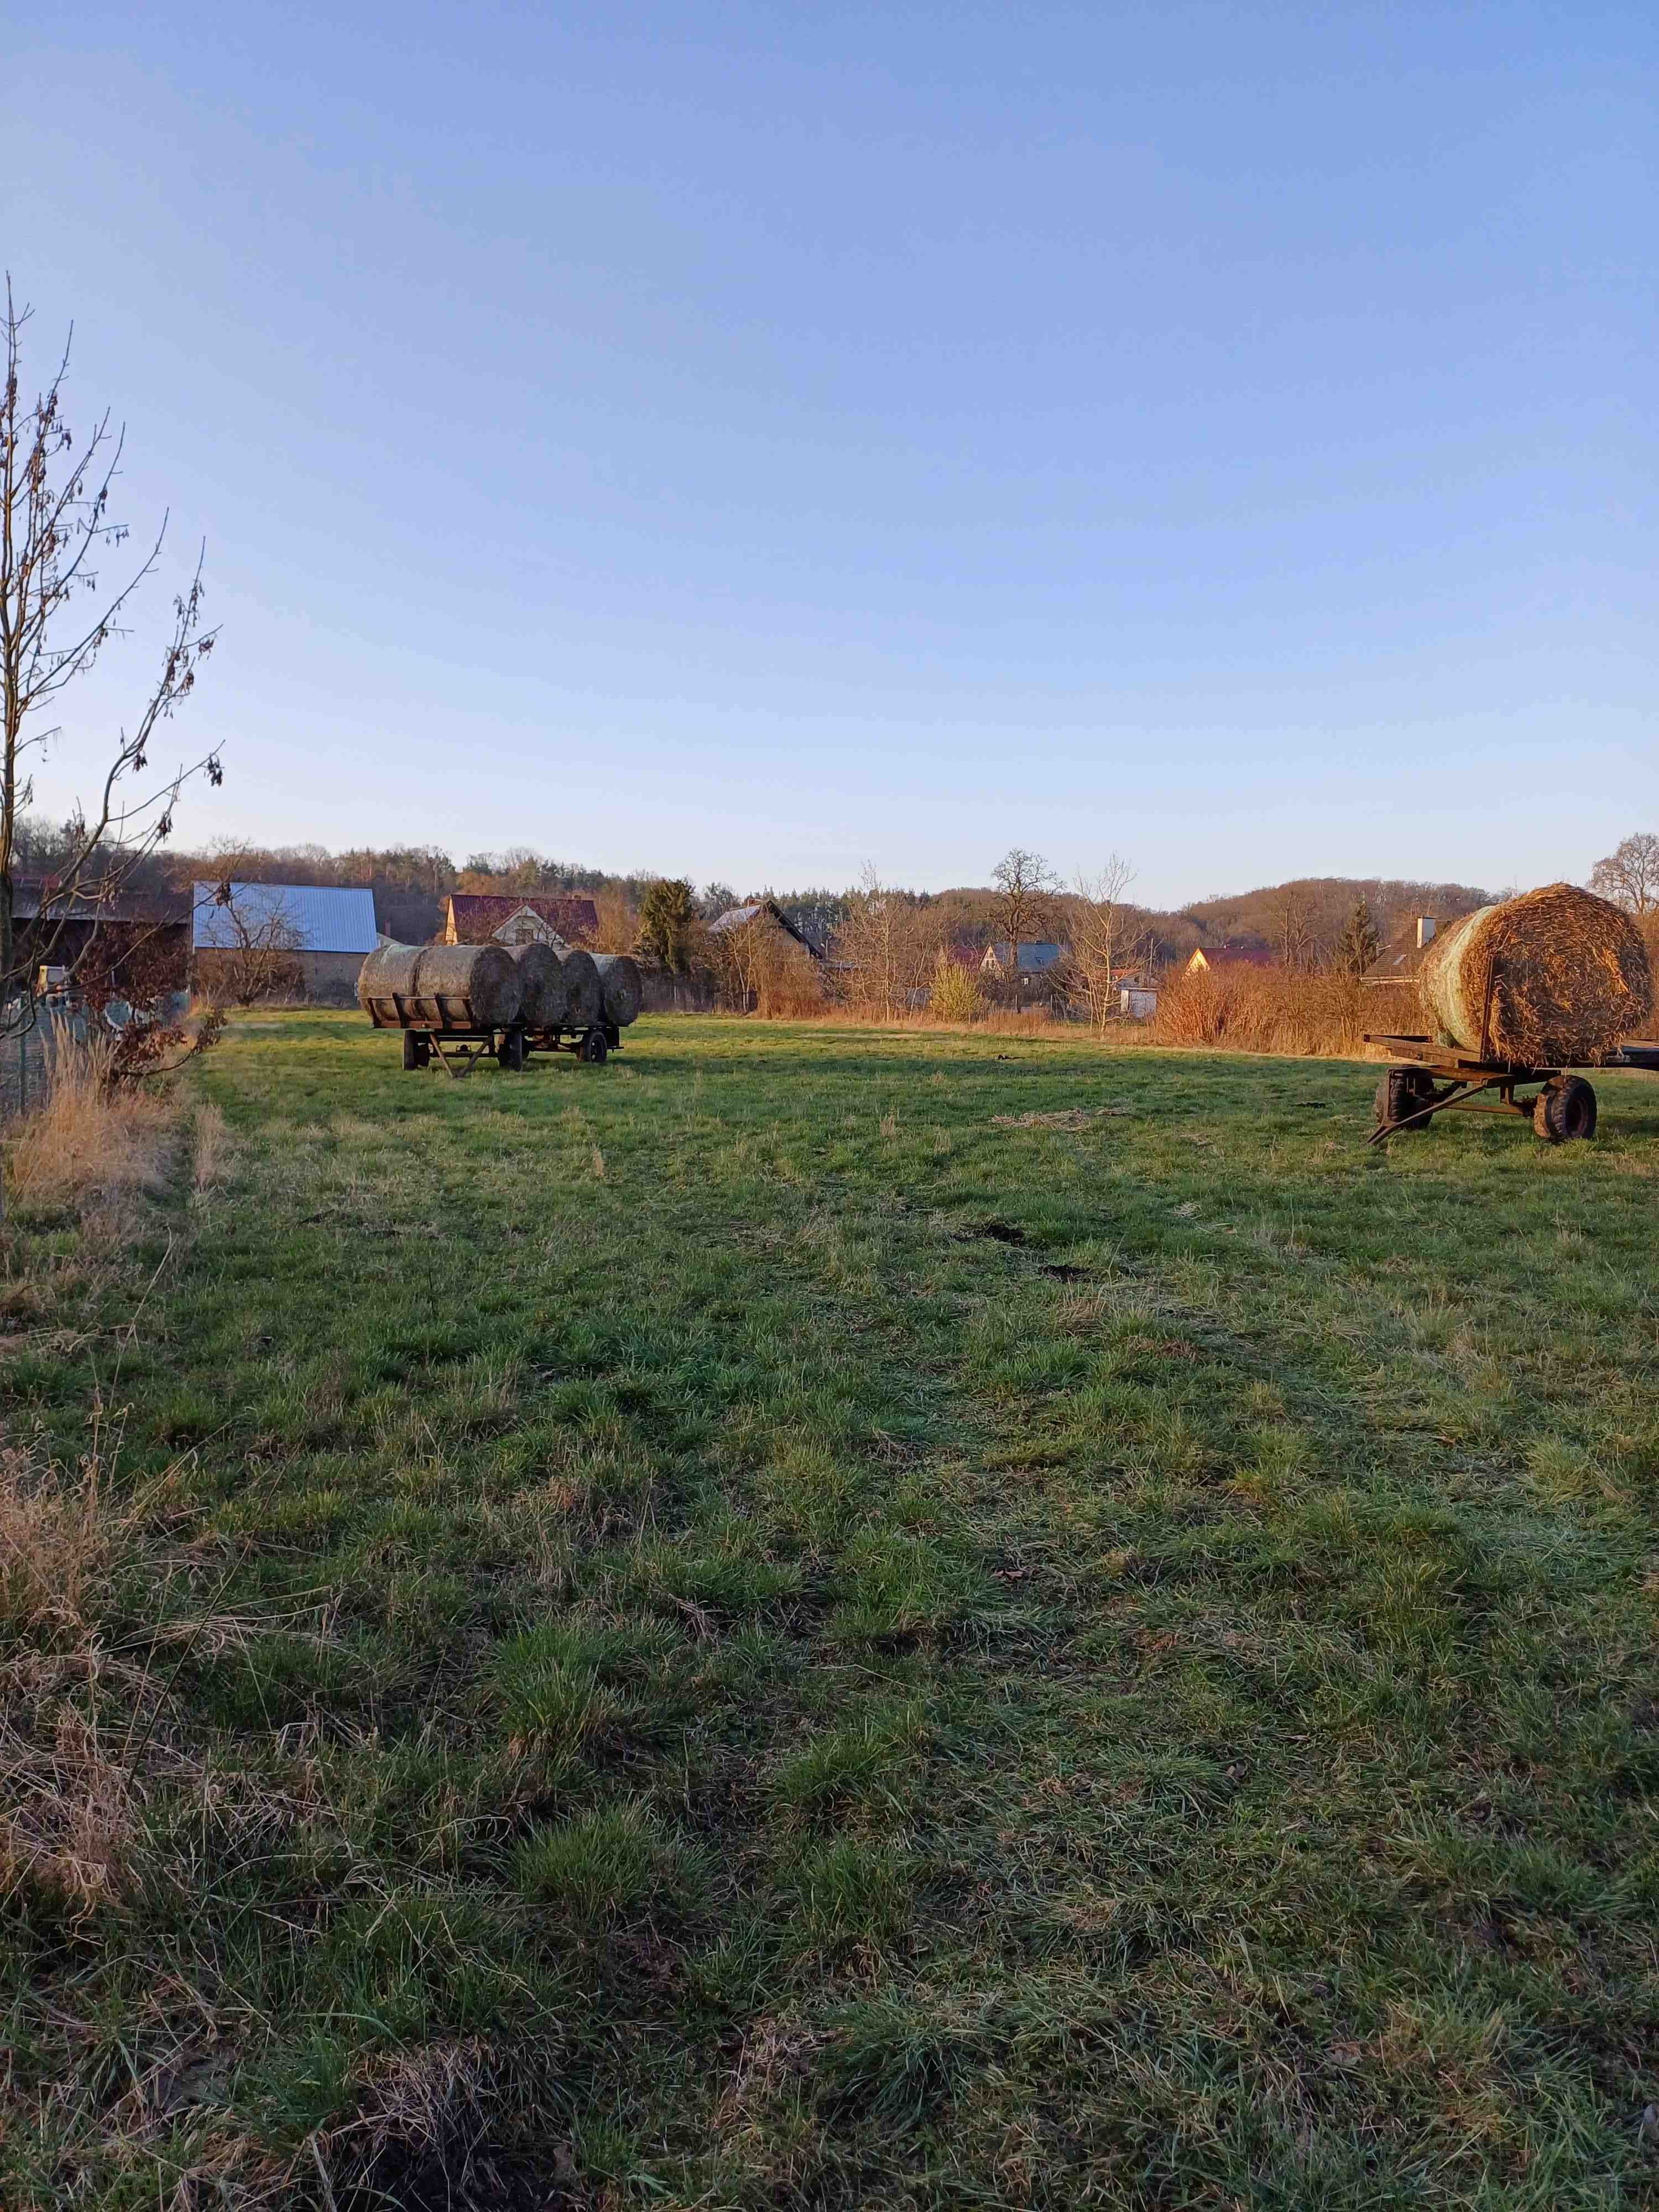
(54,520)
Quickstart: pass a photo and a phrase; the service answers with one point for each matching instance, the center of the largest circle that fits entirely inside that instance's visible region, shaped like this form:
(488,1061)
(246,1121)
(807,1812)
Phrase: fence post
(23,1071)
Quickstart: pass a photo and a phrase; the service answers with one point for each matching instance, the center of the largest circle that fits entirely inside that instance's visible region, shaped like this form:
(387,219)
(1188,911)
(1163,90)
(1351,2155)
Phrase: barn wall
(330,977)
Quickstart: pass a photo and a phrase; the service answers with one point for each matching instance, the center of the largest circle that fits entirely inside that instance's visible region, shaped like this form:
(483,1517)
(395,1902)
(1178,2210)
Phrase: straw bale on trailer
(541,973)
(449,986)
(584,1006)
(621,984)
(1554,978)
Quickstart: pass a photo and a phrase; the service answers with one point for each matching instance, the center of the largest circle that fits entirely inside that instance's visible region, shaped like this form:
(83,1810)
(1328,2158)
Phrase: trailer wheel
(510,1051)
(593,1048)
(1564,1110)
(1401,1093)
(418,1050)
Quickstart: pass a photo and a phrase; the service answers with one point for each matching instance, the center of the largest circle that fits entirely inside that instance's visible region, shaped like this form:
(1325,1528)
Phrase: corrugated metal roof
(323,917)
(735,917)
(739,917)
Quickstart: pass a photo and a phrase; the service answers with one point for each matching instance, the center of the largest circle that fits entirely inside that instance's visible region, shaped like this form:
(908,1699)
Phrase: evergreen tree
(669,924)
(1360,942)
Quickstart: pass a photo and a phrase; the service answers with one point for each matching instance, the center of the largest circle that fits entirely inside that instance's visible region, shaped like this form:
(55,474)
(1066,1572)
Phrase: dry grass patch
(1279,1010)
(86,1143)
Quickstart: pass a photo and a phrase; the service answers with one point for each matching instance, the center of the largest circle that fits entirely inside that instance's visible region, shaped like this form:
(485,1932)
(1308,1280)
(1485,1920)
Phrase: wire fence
(27,1057)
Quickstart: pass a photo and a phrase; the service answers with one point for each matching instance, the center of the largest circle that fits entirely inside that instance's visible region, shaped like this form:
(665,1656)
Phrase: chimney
(1427,925)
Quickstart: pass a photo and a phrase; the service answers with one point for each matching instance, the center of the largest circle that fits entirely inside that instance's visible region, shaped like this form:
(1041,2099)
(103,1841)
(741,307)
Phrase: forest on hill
(1299,919)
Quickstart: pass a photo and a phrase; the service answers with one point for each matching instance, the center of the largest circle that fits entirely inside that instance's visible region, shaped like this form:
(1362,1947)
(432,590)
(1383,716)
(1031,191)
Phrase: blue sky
(757,441)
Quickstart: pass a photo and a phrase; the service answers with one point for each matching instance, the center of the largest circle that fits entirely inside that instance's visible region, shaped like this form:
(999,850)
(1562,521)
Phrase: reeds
(1278,1010)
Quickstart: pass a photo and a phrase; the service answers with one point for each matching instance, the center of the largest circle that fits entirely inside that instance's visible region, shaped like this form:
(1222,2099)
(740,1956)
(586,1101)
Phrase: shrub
(956,995)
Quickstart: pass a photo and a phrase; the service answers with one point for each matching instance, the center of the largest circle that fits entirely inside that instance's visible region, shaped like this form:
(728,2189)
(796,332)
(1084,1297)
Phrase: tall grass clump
(1280,1010)
(89,1139)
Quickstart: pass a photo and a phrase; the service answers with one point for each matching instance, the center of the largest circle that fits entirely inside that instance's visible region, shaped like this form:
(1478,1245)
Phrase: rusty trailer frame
(459,1044)
(1428,1077)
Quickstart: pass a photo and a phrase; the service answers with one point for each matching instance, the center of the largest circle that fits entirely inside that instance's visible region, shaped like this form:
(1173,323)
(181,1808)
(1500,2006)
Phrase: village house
(1042,973)
(770,916)
(319,933)
(1217,959)
(1034,959)
(764,961)
(562,920)
(1402,956)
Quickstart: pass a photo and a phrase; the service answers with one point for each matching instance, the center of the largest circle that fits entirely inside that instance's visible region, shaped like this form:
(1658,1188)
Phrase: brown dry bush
(1281,1010)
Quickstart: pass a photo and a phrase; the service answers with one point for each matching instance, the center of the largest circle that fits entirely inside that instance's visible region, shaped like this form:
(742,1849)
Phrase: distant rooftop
(740,917)
(1033,957)
(477,915)
(323,917)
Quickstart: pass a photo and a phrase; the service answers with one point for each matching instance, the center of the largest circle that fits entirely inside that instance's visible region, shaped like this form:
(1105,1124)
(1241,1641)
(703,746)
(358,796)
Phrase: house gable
(558,920)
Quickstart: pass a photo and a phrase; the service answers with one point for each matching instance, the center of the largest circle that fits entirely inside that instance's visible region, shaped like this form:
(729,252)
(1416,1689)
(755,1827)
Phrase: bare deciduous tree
(886,945)
(1293,927)
(1106,936)
(255,947)
(1629,876)
(55,619)
(1024,885)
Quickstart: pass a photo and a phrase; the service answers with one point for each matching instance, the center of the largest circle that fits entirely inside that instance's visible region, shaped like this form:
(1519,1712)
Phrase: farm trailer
(457,1042)
(1436,1078)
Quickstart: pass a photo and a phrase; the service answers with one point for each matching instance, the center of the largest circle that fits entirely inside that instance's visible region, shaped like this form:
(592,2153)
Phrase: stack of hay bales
(449,986)
(1554,979)
(497,987)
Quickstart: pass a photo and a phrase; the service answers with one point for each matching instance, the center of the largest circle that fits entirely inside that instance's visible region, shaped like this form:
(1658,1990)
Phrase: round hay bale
(541,973)
(1553,978)
(458,987)
(620,983)
(585,999)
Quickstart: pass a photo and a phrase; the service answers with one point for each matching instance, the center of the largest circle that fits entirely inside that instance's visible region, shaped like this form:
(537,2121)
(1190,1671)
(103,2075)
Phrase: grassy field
(818,1618)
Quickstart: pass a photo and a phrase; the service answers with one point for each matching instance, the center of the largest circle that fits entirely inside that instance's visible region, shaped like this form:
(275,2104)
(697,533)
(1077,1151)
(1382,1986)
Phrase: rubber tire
(593,1048)
(1564,1112)
(510,1051)
(1402,1091)
(418,1051)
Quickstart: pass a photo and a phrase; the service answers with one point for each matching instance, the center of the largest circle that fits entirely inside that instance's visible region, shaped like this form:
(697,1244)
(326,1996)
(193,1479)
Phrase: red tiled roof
(478,915)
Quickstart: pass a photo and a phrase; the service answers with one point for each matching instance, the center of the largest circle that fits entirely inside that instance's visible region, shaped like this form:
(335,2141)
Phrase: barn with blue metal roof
(316,934)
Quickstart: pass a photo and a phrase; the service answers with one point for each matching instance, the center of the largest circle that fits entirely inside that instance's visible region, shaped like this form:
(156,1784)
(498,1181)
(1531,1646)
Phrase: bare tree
(55,619)
(255,950)
(1024,884)
(886,943)
(1106,934)
(1629,876)
(1293,927)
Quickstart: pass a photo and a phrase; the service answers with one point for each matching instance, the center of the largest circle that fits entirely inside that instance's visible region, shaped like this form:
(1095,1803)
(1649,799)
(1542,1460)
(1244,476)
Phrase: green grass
(764,1625)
